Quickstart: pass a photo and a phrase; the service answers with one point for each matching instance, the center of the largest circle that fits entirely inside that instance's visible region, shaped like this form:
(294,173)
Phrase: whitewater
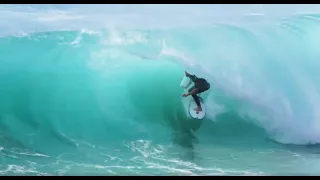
(94,89)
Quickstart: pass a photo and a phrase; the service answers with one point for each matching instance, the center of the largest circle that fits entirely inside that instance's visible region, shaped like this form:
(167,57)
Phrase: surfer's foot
(198,109)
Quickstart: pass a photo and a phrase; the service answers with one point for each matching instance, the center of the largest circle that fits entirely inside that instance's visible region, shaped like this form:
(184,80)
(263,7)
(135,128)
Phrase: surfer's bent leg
(195,96)
(196,99)
(201,88)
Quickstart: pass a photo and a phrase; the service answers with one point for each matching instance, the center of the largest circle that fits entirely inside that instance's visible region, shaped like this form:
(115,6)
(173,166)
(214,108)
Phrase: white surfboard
(194,114)
(185,82)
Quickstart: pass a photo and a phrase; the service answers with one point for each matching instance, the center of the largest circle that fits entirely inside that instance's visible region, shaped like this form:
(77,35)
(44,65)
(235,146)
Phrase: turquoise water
(108,101)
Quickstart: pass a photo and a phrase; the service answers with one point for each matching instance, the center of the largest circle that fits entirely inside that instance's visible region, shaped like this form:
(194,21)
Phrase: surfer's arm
(194,91)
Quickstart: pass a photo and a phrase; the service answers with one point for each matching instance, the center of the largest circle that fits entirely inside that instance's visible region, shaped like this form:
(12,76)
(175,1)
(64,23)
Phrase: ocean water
(88,90)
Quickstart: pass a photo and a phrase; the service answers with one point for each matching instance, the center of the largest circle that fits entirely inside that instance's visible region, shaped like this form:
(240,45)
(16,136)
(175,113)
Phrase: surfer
(200,85)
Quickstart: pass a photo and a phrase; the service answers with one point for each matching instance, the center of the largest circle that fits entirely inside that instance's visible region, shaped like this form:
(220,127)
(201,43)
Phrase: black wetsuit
(200,84)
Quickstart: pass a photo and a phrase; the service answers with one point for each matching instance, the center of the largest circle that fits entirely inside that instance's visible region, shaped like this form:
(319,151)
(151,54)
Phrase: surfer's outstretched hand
(185,95)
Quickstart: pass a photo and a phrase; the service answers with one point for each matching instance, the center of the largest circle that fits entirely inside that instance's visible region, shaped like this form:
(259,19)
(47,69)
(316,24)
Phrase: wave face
(108,101)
